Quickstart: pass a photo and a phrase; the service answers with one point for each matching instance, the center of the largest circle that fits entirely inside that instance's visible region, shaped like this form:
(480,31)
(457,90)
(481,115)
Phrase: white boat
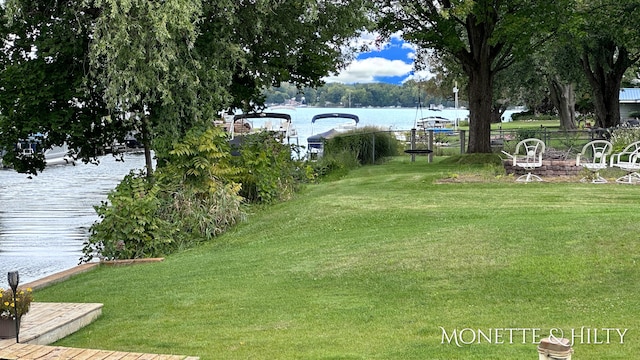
(316,142)
(56,155)
(436,123)
(278,124)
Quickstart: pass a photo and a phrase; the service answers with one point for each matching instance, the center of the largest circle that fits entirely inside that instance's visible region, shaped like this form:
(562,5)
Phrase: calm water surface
(45,220)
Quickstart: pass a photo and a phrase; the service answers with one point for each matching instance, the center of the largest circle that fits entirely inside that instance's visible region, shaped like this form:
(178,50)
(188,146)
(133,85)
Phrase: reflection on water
(45,220)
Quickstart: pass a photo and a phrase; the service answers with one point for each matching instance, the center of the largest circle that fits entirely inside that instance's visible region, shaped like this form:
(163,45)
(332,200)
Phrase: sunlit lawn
(375,265)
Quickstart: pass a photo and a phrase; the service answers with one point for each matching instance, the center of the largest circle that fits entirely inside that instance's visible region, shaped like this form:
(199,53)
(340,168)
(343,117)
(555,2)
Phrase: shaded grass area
(374,265)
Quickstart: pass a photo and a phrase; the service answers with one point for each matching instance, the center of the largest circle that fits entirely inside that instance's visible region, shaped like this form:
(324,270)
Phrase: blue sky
(392,63)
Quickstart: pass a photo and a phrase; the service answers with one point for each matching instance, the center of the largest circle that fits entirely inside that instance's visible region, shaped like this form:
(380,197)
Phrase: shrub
(530,115)
(192,199)
(268,172)
(130,226)
(334,165)
(622,137)
(200,197)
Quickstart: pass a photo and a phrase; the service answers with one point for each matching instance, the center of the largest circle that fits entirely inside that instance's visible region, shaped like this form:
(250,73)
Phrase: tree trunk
(563,97)
(146,142)
(497,111)
(605,77)
(606,99)
(478,63)
(480,107)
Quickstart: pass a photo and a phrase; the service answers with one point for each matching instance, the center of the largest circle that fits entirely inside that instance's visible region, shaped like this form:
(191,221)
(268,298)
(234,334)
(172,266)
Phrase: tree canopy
(484,37)
(158,68)
(43,82)
(607,36)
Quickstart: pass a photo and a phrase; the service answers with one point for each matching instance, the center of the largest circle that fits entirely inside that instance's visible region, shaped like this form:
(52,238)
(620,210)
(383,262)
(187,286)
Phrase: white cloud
(367,70)
(383,62)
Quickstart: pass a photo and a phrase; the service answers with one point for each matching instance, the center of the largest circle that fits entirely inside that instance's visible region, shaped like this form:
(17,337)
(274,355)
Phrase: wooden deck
(47,322)
(43,352)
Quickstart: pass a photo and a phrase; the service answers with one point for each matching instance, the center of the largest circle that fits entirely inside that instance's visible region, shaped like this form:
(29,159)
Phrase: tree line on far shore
(409,94)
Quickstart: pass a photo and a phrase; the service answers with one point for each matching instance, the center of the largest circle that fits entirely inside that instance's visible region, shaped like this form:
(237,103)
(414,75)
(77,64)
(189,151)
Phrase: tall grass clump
(334,165)
(369,145)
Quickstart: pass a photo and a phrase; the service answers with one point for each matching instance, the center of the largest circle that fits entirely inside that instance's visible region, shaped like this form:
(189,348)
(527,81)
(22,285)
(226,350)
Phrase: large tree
(483,36)
(43,82)
(299,42)
(175,63)
(607,35)
(143,53)
(162,67)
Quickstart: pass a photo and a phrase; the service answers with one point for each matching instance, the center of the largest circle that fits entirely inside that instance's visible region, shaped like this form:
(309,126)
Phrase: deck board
(47,322)
(47,352)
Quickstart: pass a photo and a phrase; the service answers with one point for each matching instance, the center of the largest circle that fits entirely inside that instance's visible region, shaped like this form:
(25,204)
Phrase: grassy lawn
(523,124)
(375,265)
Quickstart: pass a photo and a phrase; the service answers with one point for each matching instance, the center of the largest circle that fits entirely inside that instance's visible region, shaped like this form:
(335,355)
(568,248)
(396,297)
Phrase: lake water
(45,220)
(403,119)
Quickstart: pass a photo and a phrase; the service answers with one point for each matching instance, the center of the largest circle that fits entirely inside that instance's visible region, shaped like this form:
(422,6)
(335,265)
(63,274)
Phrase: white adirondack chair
(593,157)
(629,161)
(528,155)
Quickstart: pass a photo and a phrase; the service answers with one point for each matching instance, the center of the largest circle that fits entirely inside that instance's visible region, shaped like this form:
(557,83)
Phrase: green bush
(192,199)
(531,116)
(334,165)
(622,137)
(268,171)
(129,226)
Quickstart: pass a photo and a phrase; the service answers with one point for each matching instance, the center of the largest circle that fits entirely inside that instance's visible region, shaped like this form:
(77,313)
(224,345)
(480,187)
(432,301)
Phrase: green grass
(371,266)
(523,124)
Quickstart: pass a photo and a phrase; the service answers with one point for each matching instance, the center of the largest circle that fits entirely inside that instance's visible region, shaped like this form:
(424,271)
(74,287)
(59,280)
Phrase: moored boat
(279,124)
(435,123)
(55,155)
(316,142)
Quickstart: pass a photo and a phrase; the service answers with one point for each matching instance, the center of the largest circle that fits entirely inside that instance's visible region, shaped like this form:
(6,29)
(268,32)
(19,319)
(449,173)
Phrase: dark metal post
(373,146)
(430,146)
(14,279)
(413,144)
